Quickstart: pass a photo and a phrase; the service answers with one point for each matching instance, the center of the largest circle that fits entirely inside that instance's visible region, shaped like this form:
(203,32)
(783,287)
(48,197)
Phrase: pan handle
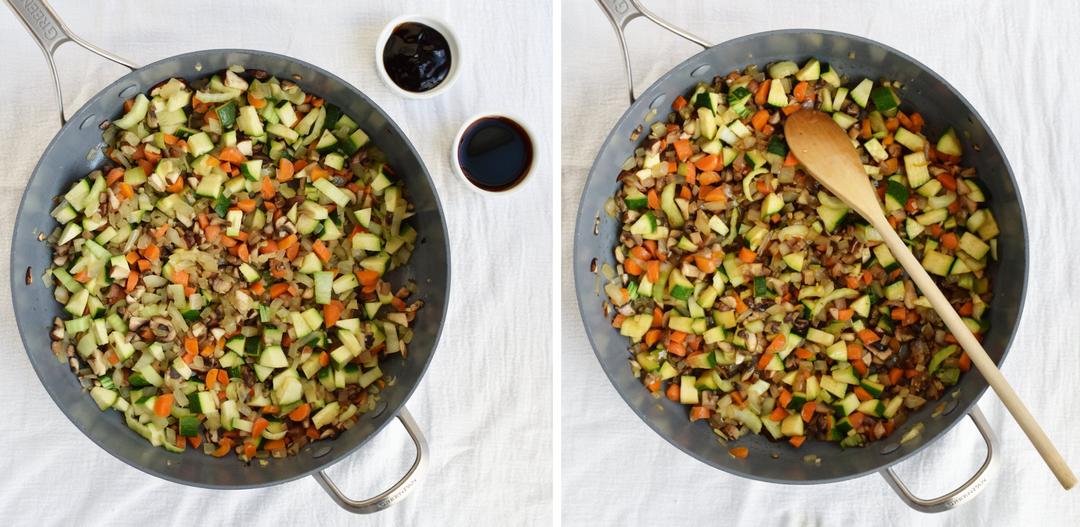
(394,493)
(50,33)
(971,488)
(621,13)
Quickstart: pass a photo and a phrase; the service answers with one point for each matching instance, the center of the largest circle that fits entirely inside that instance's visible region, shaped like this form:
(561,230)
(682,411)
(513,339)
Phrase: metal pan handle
(971,488)
(394,493)
(621,13)
(50,33)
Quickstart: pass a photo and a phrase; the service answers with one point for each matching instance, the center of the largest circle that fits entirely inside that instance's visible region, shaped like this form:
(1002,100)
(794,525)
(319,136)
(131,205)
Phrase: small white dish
(456,57)
(455,162)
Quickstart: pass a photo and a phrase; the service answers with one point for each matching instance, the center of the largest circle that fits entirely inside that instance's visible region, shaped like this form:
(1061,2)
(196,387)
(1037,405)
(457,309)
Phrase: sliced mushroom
(163,329)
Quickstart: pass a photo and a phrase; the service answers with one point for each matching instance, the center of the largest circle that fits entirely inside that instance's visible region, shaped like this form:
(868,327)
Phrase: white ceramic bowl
(455,165)
(456,57)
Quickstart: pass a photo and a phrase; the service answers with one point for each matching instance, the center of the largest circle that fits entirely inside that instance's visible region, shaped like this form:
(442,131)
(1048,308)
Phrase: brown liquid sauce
(495,153)
(417,57)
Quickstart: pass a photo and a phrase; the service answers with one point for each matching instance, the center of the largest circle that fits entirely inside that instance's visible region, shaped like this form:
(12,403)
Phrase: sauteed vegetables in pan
(224,273)
(754,297)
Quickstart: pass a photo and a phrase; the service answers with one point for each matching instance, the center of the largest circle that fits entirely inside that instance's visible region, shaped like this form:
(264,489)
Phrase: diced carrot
(808,411)
(246,205)
(862,394)
(652,337)
(797,441)
(947,181)
(917,122)
(964,362)
(891,124)
(785,398)
(332,312)
(617,322)
(763,186)
(243,252)
(764,361)
(684,192)
(176,186)
(740,452)
(682,149)
(708,178)
(113,176)
(676,348)
(324,359)
(144,265)
(279,289)
(803,353)
(868,336)
(854,351)
(224,447)
(760,119)
(652,271)
(657,318)
(259,426)
(691,173)
(778,414)
(231,154)
(740,306)
(762,93)
(286,242)
(678,103)
(132,281)
(320,250)
(211,379)
(949,240)
(746,255)
(864,129)
(860,367)
(894,375)
(654,385)
(708,162)
(673,392)
(856,418)
(163,404)
(867,277)
(367,277)
(632,267)
(699,412)
(800,91)
(790,160)
(776,344)
(717,194)
(677,336)
(790,109)
(898,313)
(653,200)
(845,314)
(152,252)
(737,398)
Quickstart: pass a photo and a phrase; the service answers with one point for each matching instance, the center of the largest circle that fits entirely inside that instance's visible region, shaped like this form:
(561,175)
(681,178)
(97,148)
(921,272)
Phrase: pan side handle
(395,493)
(50,33)
(971,488)
(621,12)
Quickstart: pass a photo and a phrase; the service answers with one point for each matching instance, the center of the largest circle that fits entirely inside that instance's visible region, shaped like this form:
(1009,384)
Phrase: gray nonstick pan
(596,234)
(74,152)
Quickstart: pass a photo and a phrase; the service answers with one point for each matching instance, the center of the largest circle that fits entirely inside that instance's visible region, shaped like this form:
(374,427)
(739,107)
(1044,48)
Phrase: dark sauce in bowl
(416,57)
(495,153)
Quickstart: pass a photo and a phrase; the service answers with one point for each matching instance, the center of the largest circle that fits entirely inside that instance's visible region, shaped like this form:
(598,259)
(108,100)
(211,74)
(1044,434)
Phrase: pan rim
(336,456)
(584,220)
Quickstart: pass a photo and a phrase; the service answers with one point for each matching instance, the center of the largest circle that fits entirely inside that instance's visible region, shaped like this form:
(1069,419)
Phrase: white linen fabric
(1015,62)
(485,403)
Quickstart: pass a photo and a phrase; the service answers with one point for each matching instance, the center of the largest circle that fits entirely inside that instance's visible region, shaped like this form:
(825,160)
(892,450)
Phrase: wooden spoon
(826,151)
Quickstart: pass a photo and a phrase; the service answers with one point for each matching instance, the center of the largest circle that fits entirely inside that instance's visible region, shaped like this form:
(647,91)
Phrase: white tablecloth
(1015,62)
(485,403)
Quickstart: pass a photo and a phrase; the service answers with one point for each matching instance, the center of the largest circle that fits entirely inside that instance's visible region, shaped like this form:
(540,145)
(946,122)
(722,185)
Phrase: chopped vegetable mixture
(224,274)
(757,299)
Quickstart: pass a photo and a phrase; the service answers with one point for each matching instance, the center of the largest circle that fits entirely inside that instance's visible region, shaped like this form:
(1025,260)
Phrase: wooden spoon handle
(978,355)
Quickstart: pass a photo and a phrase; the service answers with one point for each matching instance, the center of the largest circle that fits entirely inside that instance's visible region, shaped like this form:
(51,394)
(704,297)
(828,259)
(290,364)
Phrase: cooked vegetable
(225,280)
(752,295)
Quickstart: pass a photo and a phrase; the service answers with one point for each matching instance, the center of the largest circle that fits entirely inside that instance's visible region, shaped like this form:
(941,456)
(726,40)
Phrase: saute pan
(74,152)
(596,234)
